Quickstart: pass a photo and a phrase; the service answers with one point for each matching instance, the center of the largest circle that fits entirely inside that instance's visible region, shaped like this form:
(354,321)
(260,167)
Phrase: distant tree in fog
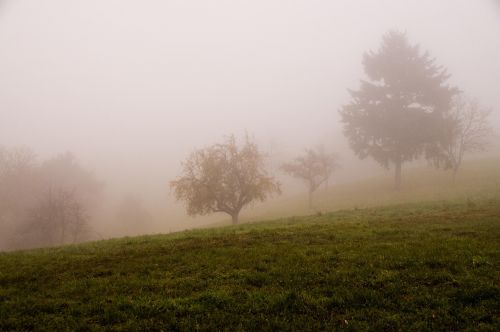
(64,171)
(224,177)
(15,160)
(58,218)
(27,190)
(18,188)
(314,167)
(398,112)
(468,129)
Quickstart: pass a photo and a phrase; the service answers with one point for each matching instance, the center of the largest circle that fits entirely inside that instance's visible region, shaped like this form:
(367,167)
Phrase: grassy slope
(477,178)
(432,266)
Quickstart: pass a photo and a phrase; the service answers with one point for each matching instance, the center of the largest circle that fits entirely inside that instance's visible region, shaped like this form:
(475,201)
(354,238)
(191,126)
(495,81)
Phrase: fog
(132,87)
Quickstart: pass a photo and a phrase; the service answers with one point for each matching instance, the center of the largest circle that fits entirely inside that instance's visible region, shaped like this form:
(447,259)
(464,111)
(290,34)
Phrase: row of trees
(402,111)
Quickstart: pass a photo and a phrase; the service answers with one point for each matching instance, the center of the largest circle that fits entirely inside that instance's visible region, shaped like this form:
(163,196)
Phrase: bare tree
(58,218)
(468,130)
(18,188)
(65,171)
(16,160)
(314,167)
(25,196)
(224,178)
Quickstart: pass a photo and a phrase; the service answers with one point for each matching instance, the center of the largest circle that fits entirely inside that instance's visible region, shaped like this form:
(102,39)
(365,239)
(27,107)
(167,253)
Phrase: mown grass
(410,267)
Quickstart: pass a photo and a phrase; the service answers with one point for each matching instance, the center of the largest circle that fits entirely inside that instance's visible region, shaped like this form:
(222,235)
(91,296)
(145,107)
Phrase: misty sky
(132,86)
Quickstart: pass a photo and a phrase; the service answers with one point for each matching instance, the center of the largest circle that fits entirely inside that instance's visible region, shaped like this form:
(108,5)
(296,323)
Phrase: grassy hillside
(429,266)
(477,178)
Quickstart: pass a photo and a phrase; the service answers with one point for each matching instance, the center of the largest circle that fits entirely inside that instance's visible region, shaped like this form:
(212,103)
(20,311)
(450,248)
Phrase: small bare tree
(469,130)
(58,218)
(224,178)
(314,167)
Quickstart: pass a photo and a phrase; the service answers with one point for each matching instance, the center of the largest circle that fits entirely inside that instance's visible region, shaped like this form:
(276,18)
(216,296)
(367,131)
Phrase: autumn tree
(398,111)
(468,130)
(314,167)
(225,178)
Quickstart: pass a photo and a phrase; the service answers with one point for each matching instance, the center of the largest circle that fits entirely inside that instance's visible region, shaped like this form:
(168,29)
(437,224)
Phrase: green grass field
(424,258)
(432,266)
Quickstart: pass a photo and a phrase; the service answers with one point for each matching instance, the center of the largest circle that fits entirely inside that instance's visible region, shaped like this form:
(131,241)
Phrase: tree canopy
(224,178)
(398,111)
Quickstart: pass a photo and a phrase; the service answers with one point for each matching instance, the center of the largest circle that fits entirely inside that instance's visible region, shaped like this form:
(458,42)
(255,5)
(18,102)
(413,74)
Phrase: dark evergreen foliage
(398,112)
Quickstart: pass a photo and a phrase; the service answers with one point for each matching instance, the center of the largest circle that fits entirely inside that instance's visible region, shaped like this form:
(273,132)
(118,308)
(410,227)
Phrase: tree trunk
(235,218)
(397,174)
